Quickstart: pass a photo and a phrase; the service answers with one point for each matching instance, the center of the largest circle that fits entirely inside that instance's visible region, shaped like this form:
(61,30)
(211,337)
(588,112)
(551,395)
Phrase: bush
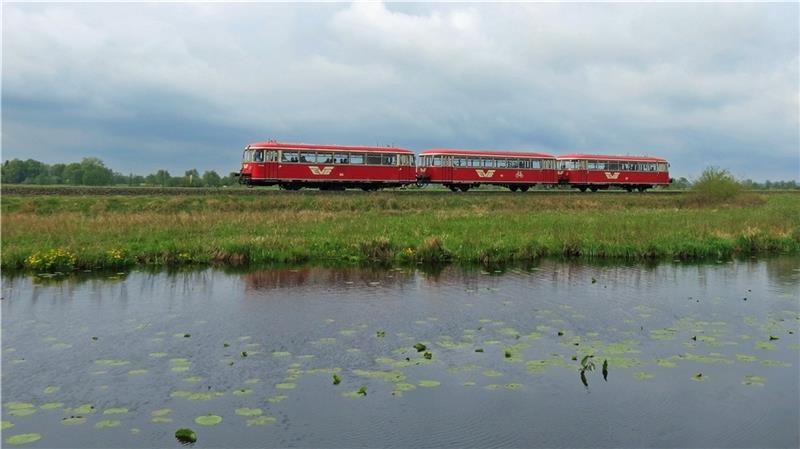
(715,185)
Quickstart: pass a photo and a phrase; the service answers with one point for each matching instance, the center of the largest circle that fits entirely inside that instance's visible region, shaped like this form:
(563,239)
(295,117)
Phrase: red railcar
(462,169)
(293,166)
(600,172)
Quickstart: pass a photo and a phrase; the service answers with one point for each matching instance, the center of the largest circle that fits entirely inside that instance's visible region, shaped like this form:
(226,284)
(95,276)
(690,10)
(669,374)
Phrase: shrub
(715,185)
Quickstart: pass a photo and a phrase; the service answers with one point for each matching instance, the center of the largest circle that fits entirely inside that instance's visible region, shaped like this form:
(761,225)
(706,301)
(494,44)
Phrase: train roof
(454,152)
(311,146)
(605,157)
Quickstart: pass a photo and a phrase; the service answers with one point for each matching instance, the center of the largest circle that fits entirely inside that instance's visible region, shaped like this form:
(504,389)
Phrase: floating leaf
(186,436)
(161,412)
(277,399)
(336,379)
(381,333)
(23,438)
(755,381)
(111,362)
(137,372)
(286,386)
(468,383)
(699,377)
(242,392)
(115,411)
(512,386)
(193,379)
(420,347)
(281,354)
(107,423)
(478,349)
(260,421)
(247,411)
(252,381)
(427,355)
(21,412)
(158,355)
(641,375)
(208,420)
(362,391)
(745,358)
(404,387)
(6,425)
(429,383)
(51,389)
(492,373)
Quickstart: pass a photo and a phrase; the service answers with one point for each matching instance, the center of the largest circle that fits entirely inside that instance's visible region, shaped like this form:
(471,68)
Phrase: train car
(464,169)
(599,172)
(293,166)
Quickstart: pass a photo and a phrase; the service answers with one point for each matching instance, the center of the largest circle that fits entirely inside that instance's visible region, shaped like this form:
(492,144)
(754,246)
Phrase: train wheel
(524,188)
(453,188)
(629,189)
(513,188)
(594,189)
(464,188)
(582,188)
(641,188)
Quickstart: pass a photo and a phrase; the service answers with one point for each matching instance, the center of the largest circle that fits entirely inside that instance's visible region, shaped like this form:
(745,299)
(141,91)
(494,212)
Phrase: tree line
(91,171)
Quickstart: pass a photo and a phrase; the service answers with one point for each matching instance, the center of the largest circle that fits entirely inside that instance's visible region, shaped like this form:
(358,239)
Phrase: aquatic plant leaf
(775,363)
(194,379)
(699,377)
(83,409)
(420,347)
(336,379)
(260,421)
(242,392)
(281,354)
(427,355)
(21,412)
(641,375)
(157,355)
(186,436)
(745,358)
(468,383)
(277,399)
(247,411)
(6,425)
(208,420)
(161,412)
(51,389)
(137,372)
(111,362)
(107,423)
(755,381)
(286,386)
(429,383)
(18,405)
(252,381)
(491,373)
(115,411)
(23,438)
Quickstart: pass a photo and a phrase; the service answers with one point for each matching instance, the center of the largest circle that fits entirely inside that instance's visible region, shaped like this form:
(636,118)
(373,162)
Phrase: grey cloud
(188,85)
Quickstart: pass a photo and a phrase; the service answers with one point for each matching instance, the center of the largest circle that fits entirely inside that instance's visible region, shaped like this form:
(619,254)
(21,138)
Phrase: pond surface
(126,360)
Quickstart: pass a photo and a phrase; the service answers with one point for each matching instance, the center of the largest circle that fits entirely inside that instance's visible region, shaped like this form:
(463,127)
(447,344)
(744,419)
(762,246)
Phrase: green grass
(59,233)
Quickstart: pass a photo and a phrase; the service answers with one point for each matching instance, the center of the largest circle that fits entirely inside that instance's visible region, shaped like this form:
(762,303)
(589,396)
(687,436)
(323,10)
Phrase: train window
(258,156)
(437,161)
(459,162)
(307,156)
(613,166)
(389,159)
(341,158)
(272,156)
(356,158)
(324,158)
(403,159)
(487,162)
(373,159)
(534,163)
(473,162)
(662,166)
(289,156)
(502,163)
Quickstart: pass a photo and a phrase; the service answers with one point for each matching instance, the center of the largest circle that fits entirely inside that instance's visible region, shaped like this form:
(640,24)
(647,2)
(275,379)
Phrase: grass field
(64,232)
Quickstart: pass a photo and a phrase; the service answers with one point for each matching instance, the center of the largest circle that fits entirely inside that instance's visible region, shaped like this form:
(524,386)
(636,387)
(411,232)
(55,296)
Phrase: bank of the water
(58,233)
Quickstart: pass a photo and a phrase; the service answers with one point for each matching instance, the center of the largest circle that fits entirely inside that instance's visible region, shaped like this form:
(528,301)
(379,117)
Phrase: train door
(447,168)
(271,159)
(580,172)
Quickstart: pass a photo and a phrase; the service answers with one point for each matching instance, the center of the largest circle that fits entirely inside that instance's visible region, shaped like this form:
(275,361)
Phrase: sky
(188,85)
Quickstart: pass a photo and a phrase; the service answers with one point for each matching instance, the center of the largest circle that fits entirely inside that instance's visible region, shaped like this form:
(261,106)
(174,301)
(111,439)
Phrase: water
(147,342)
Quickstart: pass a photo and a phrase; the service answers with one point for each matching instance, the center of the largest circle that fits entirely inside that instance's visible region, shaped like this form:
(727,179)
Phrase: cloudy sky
(178,86)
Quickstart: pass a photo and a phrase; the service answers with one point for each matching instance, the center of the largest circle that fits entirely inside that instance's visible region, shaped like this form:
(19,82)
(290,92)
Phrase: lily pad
(641,375)
(107,423)
(754,381)
(242,392)
(286,386)
(137,372)
(111,362)
(21,412)
(492,373)
(281,354)
(260,421)
(276,399)
(51,389)
(18,405)
(429,383)
(6,425)
(115,411)
(161,412)
(23,438)
(700,377)
(745,358)
(247,411)
(208,420)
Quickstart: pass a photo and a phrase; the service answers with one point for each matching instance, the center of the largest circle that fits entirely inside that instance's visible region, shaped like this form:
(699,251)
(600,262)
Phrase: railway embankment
(53,231)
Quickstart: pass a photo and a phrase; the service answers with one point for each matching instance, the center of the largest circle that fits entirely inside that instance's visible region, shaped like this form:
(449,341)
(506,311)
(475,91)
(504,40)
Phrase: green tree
(211,178)
(95,173)
(192,178)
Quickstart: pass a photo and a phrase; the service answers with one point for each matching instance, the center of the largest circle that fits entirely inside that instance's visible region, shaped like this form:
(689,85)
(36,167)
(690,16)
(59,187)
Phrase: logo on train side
(324,171)
(614,175)
(484,173)
(519,174)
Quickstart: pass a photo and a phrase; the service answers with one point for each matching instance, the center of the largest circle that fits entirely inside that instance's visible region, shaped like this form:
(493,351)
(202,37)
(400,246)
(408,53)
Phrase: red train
(336,167)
